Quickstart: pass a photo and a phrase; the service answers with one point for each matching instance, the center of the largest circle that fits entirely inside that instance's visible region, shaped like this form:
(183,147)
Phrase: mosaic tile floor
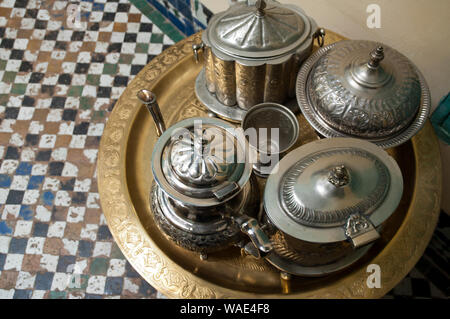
(58,85)
(62,68)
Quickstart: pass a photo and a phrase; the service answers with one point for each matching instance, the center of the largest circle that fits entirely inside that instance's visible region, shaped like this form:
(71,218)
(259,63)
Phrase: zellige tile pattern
(58,85)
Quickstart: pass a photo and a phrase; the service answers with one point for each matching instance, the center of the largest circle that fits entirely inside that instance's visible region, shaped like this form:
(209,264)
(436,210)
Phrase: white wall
(420,29)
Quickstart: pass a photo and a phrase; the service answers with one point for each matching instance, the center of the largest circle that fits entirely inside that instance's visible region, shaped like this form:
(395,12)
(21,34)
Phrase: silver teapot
(205,197)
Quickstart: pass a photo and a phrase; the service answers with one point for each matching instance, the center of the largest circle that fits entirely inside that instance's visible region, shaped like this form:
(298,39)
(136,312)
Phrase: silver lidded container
(252,54)
(327,203)
(363,89)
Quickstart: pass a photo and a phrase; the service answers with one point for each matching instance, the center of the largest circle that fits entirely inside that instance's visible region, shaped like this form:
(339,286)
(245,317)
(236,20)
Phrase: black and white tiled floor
(61,71)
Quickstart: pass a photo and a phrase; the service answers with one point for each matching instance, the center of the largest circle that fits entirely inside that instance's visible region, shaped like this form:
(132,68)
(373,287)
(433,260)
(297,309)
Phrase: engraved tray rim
(396,258)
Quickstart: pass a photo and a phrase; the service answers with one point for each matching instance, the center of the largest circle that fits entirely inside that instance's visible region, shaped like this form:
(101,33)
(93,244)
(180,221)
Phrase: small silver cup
(271,129)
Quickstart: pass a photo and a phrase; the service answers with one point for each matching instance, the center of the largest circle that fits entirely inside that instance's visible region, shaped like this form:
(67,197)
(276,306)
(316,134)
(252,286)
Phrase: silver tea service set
(324,203)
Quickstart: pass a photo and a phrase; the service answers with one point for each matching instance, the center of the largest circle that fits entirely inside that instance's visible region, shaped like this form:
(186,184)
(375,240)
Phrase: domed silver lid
(323,188)
(363,89)
(264,30)
(201,162)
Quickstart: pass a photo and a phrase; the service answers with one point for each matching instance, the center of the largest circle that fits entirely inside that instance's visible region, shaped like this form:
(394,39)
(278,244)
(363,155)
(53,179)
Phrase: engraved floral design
(204,157)
(355,224)
(366,113)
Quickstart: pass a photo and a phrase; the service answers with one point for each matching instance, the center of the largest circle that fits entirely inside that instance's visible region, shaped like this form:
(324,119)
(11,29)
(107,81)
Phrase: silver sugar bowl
(252,53)
(363,89)
(327,203)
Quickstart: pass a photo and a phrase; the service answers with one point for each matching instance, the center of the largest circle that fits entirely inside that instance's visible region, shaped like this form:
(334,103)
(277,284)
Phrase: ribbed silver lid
(264,30)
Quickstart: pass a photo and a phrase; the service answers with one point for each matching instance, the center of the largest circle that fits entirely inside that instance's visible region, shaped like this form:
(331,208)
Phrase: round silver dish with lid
(363,89)
(329,197)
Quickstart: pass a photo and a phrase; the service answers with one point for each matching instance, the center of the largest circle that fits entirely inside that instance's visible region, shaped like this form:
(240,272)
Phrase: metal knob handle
(339,176)
(251,228)
(320,37)
(149,100)
(376,56)
(371,74)
(195,48)
(260,6)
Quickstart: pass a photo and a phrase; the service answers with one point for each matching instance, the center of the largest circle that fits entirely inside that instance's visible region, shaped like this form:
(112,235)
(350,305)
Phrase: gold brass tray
(125,177)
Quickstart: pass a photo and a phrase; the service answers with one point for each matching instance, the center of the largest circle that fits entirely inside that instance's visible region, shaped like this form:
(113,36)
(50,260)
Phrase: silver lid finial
(376,56)
(339,176)
(260,6)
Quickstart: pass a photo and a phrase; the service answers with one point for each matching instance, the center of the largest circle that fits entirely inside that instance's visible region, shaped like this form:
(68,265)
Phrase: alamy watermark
(374,18)
(73,19)
(235,146)
(74,281)
(74,14)
(374,279)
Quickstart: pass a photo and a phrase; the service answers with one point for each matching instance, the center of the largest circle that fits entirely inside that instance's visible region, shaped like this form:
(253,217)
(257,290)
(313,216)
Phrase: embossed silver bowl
(327,203)
(363,89)
(252,54)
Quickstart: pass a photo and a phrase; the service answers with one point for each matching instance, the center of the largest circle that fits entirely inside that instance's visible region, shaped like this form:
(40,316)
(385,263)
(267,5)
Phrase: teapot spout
(148,98)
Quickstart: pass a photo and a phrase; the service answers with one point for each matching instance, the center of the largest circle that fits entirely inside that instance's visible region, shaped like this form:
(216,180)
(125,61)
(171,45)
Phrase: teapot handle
(196,47)
(252,229)
(319,35)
